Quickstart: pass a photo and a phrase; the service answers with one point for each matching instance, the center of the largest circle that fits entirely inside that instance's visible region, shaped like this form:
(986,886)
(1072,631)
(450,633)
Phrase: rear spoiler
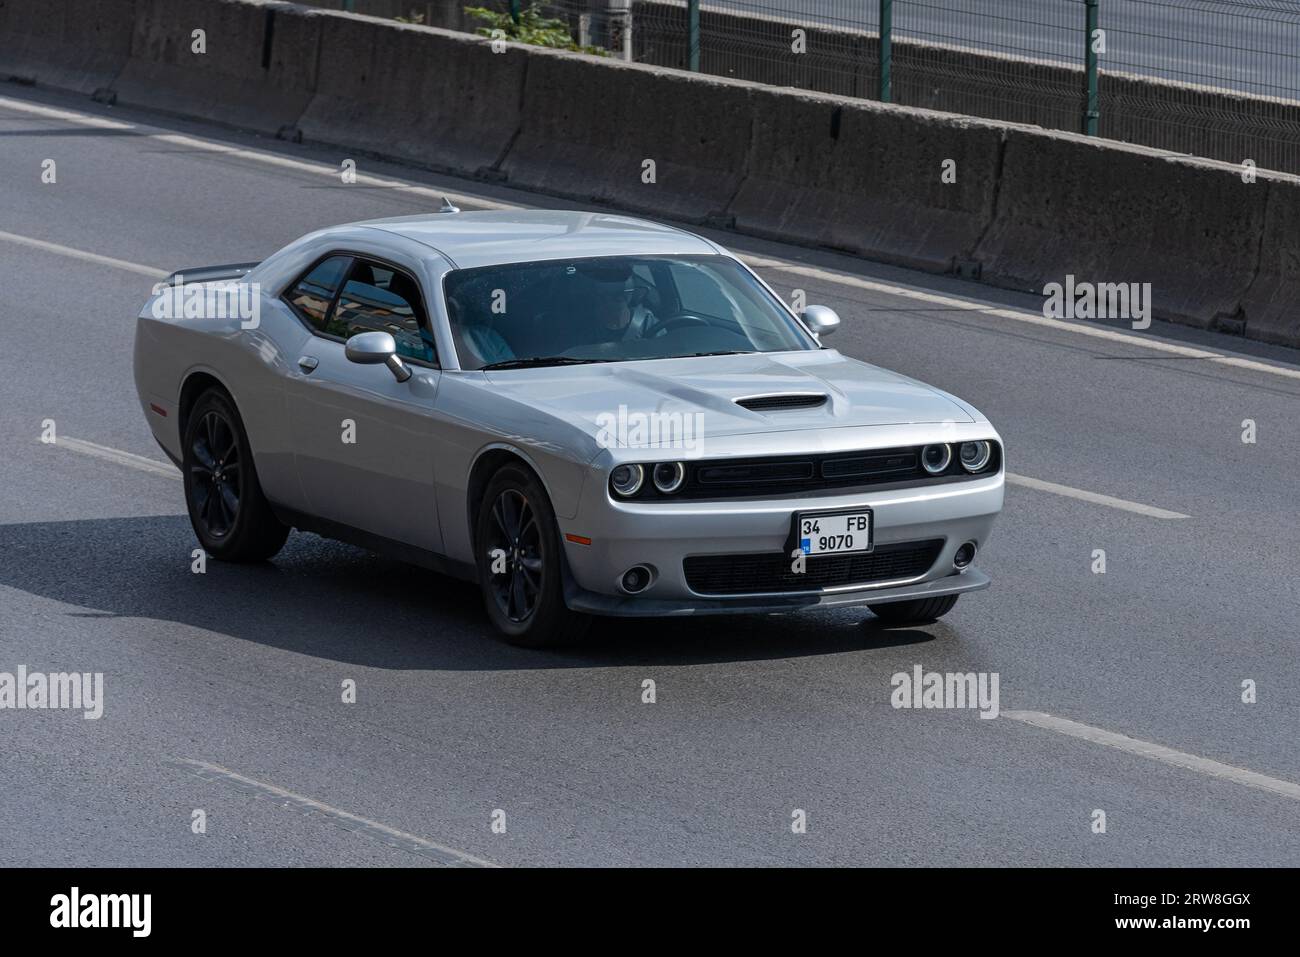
(210,273)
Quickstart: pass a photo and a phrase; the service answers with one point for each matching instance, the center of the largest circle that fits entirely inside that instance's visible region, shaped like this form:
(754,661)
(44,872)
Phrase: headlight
(936,458)
(626,479)
(975,455)
(669,476)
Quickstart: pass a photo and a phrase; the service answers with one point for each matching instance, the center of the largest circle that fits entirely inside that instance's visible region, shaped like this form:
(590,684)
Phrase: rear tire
(230,515)
(524,598)
(919,611)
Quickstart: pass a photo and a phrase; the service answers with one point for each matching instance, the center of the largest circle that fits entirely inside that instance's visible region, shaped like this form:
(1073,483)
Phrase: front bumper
(662,534)
(623,606)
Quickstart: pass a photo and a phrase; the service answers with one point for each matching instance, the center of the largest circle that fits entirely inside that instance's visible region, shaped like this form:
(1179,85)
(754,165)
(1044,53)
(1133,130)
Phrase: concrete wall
(1215,124)
(75,47)
(1027,208)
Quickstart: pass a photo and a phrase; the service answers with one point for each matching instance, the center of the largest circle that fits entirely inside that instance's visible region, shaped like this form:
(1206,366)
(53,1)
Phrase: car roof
(493,237)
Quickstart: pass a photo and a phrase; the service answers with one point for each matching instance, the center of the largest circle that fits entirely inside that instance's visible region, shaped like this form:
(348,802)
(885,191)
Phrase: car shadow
(332,601)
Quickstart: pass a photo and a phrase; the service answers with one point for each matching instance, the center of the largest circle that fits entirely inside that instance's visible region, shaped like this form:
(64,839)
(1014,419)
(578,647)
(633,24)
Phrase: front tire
(520,564)
(919,611)
(230,515)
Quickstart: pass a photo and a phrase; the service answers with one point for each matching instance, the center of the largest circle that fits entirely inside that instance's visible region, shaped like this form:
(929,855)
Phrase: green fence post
(350,6)
(514,10)
(886,49)
(1090,112)
(693,35)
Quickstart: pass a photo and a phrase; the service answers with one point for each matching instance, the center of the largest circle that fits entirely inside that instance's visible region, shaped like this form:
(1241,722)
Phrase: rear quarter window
(312,295)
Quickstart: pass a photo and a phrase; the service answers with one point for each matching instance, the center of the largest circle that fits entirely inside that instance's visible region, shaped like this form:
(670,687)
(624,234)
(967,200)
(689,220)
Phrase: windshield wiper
(727,352)
(535,361)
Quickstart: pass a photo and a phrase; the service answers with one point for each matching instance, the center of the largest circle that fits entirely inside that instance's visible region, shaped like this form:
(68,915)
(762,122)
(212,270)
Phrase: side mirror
(822,320)
(375,348)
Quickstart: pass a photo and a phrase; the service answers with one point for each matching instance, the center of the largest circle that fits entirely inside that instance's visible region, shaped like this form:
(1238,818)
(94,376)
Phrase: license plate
(833,533)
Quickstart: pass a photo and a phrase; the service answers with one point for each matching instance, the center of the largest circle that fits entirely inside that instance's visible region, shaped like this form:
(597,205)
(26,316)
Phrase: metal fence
(1214,78)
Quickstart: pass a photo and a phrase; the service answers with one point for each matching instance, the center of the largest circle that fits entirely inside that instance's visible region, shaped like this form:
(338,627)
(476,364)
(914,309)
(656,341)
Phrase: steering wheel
(661,326)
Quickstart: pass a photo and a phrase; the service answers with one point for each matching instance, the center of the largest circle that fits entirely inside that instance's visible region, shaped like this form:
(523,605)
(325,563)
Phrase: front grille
(750,474)
(751,574)
(781,403)
(754,476)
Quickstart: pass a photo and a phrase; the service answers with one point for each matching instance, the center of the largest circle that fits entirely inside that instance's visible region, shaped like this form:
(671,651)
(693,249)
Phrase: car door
(363,441)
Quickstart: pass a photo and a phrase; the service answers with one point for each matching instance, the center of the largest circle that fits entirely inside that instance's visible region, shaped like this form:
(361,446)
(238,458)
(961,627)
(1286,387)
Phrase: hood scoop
(782,401)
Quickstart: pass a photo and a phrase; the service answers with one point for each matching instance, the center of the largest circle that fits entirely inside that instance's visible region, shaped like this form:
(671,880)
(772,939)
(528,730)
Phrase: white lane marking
(1095,497)
(151,271)
(1156,752)
(352,822)
(130,459)
(1019,315)
(71,116)
(827,275)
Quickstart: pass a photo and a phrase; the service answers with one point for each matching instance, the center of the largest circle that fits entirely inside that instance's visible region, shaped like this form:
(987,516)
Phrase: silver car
(588,415)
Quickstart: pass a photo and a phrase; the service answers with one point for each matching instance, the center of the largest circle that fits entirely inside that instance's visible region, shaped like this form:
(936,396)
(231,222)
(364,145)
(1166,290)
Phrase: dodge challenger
(586,415)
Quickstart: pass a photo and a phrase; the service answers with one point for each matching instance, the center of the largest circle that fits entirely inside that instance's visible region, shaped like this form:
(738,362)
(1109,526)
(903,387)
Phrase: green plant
(533,28)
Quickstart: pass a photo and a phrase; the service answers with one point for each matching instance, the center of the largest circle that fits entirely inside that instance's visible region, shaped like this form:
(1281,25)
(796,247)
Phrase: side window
(376,298)
(311,295)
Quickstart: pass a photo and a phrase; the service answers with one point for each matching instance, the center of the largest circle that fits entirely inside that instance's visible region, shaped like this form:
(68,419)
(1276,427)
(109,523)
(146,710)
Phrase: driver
(613,310)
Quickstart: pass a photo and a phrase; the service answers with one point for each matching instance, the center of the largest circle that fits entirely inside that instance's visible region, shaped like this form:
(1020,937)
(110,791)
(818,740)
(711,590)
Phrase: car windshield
(613,309)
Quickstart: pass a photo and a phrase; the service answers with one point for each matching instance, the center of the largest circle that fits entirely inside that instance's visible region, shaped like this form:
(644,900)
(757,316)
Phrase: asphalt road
(222,690)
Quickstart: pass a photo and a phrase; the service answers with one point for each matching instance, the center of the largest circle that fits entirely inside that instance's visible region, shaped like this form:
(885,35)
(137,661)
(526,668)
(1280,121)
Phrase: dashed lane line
(1156,752)
(118,457)
(441,853)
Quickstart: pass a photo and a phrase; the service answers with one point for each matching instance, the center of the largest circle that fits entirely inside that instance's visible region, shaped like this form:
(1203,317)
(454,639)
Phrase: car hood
(857,394)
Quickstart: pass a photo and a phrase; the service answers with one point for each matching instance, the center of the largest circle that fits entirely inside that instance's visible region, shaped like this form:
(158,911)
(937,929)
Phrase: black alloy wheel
(515,531)
(216,474)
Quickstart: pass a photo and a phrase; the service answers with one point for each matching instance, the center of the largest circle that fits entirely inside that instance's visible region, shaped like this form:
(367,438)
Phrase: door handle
(307,363)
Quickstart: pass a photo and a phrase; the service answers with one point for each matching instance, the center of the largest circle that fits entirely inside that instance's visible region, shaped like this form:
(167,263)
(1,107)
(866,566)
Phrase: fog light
(964,556)
(635,579)
(935,458)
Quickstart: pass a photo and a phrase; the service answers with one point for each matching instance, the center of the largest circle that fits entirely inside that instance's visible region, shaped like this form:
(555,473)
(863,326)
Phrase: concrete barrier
(438,99)
(974,80)
(588,128)
(80,47)
(258,71)
(1107,212)
(868,179)
(1271,310)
